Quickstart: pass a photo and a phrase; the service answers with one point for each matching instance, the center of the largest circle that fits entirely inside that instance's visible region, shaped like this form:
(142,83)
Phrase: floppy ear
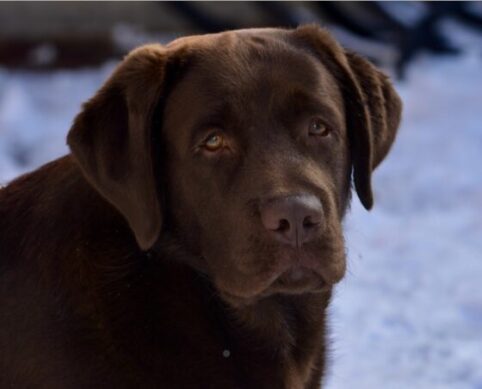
(384,111)
(111,140)
(373,108)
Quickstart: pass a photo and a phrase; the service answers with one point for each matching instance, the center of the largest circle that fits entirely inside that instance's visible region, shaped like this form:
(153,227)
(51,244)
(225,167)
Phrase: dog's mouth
(303,272)
(296,280)
(293,272)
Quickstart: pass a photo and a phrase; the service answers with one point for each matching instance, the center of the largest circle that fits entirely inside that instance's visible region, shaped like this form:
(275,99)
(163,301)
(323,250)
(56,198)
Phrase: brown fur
(137,260)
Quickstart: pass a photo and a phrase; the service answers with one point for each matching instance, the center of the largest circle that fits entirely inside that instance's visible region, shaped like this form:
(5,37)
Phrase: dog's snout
(293,220)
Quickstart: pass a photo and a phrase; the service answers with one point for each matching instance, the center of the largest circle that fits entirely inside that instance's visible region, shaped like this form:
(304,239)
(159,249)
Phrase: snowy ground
(409,313)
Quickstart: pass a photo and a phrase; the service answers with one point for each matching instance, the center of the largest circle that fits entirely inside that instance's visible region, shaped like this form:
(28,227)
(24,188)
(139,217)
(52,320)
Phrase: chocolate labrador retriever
(193,236)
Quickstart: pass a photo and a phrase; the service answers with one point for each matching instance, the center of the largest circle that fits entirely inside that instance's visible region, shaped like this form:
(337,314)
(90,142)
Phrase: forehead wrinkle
(247,76)
(314,102)
(313,93)
(245,61)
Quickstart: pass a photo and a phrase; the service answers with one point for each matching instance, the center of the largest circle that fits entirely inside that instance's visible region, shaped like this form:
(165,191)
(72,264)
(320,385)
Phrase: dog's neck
(279,317)
(287,330)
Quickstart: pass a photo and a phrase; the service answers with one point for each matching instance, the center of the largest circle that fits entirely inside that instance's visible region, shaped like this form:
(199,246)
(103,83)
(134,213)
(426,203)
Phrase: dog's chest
(186,337)
(285,356)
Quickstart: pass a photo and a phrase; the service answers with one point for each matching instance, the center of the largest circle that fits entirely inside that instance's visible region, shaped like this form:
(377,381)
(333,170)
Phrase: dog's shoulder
(54,208)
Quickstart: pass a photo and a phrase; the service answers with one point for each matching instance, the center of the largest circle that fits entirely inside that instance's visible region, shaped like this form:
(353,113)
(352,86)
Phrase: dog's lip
(296,274)
(237,300)
(294,281)
(298,279)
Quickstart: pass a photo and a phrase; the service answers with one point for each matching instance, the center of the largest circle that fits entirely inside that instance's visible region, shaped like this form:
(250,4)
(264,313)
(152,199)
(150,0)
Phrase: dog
(193,236)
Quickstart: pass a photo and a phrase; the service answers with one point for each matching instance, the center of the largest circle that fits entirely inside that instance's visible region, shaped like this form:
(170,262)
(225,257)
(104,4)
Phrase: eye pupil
(317,127)
(214,142)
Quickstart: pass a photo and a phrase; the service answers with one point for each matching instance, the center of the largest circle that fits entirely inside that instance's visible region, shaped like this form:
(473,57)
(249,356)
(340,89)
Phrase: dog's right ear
(111,140)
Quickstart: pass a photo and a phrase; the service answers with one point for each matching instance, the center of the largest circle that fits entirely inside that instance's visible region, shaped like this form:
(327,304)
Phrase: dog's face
(258,167)
(259,133)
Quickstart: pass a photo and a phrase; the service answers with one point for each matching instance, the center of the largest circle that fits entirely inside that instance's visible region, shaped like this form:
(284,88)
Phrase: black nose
(293,220)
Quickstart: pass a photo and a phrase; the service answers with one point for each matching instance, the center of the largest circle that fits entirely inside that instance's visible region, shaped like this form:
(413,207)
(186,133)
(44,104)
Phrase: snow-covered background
(409,312)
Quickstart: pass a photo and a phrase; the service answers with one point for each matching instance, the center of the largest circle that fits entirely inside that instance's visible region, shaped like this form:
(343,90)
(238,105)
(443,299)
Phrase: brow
(215,114)
(314,103)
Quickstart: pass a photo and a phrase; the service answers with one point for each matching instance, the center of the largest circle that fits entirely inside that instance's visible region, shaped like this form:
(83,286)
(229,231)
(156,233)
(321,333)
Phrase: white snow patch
(36,111)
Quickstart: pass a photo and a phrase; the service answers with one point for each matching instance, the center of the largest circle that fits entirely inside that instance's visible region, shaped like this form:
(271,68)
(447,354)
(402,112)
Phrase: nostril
(284,225)
(310,222)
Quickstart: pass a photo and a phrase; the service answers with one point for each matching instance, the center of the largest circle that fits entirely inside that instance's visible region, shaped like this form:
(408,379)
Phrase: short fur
(140,261)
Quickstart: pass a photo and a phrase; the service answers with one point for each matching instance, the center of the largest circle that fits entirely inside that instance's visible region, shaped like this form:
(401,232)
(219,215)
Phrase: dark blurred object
(378,21)
(58,53)
(381,22)
(389,33)
(196,16)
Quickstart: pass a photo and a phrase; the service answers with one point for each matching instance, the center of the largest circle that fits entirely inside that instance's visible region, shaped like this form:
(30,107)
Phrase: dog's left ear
(111,140)
(373,108)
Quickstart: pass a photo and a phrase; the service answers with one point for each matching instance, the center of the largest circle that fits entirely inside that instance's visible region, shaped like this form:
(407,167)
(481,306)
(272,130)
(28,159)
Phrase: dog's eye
(214,142)
(317,127)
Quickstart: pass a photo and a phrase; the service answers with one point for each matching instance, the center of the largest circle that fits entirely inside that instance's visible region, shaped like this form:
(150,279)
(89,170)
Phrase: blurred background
(409,312)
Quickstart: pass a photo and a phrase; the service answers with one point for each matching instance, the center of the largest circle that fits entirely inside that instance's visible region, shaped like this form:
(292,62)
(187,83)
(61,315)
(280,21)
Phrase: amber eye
(214,142)
(317,127)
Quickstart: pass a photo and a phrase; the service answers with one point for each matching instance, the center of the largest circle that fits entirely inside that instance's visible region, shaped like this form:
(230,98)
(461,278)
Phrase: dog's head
(241,146)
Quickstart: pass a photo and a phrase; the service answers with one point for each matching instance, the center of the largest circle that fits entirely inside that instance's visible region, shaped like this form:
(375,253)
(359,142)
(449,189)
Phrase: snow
(409,312)
(36,110)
